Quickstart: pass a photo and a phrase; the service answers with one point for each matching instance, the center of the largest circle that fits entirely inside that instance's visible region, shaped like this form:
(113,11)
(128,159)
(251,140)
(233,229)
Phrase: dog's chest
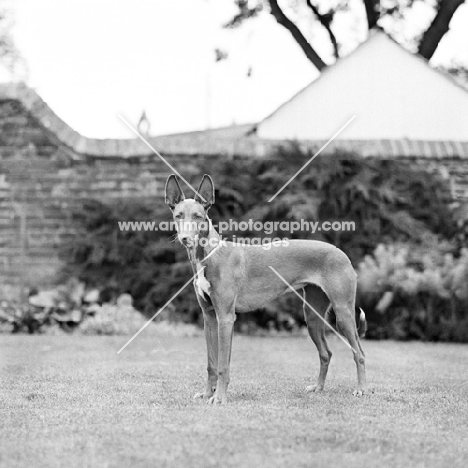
(202,285)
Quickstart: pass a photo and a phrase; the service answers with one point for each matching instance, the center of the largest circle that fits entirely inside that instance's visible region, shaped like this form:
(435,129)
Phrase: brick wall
(40,184)
(46,169)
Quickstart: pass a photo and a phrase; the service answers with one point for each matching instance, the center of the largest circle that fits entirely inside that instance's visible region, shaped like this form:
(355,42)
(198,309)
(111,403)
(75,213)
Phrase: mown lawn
(71,401)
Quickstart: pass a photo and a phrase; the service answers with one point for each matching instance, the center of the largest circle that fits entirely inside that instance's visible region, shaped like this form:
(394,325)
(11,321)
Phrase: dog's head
(190,214)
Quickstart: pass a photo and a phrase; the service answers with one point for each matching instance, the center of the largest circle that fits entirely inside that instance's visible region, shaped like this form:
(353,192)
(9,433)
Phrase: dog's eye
(198,216)
(179,216)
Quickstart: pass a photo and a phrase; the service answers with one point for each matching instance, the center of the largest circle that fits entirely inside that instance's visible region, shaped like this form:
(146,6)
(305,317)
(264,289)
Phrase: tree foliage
(302,17)
(9,55)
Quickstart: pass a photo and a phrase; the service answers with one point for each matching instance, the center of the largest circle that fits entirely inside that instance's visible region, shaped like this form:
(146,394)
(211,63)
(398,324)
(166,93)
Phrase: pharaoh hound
(233,278)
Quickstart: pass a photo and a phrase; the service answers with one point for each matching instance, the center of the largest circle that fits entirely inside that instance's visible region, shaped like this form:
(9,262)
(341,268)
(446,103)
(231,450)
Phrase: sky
(92,60)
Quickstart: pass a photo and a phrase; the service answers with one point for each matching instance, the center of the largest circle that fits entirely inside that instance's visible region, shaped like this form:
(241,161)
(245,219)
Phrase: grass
(72,401)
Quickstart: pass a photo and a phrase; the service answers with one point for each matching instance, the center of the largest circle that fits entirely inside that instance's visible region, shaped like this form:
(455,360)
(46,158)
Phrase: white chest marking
(202,285)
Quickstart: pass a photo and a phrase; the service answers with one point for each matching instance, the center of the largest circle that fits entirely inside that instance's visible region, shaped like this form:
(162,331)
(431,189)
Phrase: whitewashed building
(393,94)
(403,107)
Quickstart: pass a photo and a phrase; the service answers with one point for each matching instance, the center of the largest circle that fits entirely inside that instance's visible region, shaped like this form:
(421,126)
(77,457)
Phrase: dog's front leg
(226,319)
(211,337)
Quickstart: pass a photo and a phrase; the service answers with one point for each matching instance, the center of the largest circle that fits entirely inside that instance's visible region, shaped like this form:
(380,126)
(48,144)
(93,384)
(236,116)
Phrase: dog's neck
(199,253)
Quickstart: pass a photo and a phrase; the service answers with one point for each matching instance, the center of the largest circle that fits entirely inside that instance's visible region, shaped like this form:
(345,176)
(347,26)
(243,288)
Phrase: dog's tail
(361,322)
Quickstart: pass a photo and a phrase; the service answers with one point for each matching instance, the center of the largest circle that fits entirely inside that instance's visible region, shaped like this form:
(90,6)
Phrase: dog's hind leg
(346,323)
(341,290)
(316,326)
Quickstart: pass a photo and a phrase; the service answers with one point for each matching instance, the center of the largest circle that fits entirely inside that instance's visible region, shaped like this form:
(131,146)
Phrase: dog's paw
(314,388)
(203,395)
(359,392)
(212,400)
(215,400)
(208,393)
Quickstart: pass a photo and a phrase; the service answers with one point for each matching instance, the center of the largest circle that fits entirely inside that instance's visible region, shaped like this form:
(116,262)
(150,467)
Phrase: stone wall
(46,169)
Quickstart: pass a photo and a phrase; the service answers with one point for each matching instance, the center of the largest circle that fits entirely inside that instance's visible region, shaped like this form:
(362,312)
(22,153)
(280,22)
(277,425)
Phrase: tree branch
(325,21)
(372,13)
(308,50)
(438,28)
(244,13)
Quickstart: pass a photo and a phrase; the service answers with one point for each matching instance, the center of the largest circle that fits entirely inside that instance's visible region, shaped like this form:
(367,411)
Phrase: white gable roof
(393,93)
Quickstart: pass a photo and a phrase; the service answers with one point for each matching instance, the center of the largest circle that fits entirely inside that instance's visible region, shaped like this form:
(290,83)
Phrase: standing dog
(240,278)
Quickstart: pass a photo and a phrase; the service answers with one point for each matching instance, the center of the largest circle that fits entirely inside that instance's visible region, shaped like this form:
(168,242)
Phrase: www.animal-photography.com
(233,233)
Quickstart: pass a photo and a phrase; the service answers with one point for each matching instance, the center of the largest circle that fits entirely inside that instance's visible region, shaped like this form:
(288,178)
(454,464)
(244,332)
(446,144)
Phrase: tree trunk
(309,51)
(438,28)
(371,13)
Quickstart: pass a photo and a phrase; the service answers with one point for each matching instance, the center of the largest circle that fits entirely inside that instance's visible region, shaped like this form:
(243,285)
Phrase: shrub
(124,320)
(415,292)
(23,318)
(57,308)
(144,264)
(388,201)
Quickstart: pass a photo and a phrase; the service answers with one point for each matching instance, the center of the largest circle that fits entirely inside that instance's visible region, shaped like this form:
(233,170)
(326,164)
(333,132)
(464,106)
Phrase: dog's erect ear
(205,194)
(173,193)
